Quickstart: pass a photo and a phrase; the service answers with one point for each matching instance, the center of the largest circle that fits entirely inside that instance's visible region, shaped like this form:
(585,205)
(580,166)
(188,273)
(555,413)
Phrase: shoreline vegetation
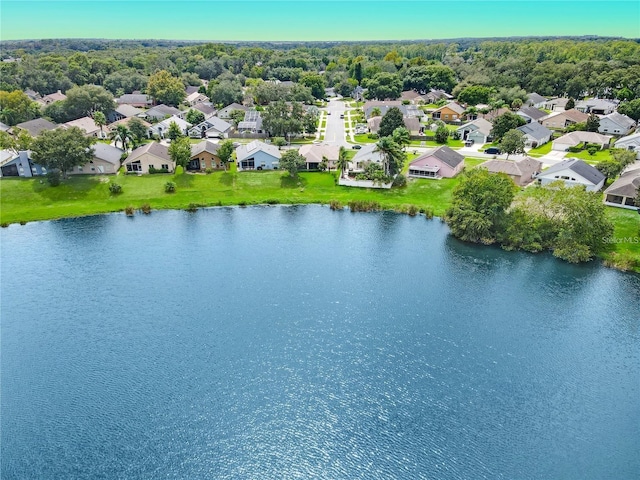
(26,200)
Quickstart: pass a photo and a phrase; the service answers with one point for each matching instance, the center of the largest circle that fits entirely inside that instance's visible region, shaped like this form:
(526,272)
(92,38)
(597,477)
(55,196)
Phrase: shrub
(4,224)
(455,135)
(364,206)
(400,180)
(335,205)
(592,151)
(412,210)
(428,213)
(208,171)
(193,207)
(576,149)
(272,201)
(158,170)
(115,188)
(170,187)
(54,177)
(146,209)
(129,211)
(373,136)
(179,170)
(279,141)
(242,204)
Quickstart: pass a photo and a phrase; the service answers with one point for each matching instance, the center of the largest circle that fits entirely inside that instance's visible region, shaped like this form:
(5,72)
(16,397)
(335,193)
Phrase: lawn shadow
(287,181)
(183,180)
(72,188)
(227,178)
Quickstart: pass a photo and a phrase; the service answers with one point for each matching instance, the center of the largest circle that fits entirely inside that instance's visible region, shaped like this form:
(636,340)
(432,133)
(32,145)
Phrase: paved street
(334,134)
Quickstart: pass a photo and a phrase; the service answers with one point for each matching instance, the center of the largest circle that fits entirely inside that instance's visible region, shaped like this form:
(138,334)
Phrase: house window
(151,166)
(79,168)
(446,115)
(455,116)
(165,165)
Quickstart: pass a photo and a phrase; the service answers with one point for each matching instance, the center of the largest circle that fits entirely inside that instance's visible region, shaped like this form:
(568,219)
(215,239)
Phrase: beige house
(522,172)
(106,160)
(314,154)
(565,142)
(562,120)
(152,155)
(87,125)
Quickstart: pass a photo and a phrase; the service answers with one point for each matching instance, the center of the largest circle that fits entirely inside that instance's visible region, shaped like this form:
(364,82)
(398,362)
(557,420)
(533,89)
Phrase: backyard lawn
(540,151)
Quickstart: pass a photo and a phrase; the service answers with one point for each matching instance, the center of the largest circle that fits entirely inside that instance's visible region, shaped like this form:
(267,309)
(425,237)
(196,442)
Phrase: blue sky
(315,20)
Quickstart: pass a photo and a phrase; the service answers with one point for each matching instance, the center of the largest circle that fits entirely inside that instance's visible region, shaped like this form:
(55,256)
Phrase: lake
(299,342)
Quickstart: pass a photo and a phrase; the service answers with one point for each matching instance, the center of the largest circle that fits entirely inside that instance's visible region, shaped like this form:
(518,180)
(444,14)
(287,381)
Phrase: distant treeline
(575,67)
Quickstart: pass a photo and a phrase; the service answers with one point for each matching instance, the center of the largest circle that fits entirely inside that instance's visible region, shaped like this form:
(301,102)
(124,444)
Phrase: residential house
(196,98)
(214,127)
(414,111)
(87,125)
(441,162)
(135,99)
(257,155)
(412,96)
(204,155)
(206,108)
(123,111)
(522,172)
(52,97)
(151,155)
(535,100)
(624,191)
(314,154)
(357,93)
(37,125)
(106,160)
(412,124)
(597,106)
(631,142)
(32,94)
(535,134)
(189,89)
(252,122)
(616,123)
(561,120)
(225,113)
(573,139)
(478,131)
(160,112)
(125,122)
(493,114)
(366,155)
(435,95)
(383,106)
(451,112)
(556,104)
(573,172)
(19,165)
(160,129)
(531,114)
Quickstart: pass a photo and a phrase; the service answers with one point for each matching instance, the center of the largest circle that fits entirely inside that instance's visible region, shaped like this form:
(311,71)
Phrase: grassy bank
(23,200)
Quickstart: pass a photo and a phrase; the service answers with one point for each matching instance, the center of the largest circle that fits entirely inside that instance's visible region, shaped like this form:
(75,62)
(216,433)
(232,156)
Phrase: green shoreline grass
(25,200)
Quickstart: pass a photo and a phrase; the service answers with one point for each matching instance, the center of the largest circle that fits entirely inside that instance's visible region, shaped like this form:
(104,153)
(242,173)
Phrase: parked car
(342,115)
(357,147)
(493,151)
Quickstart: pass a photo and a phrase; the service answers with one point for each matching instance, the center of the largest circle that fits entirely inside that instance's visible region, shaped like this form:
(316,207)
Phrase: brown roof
(456,107)
(525,168)
(314,153)
(153,148)
(491,116)
(627,185)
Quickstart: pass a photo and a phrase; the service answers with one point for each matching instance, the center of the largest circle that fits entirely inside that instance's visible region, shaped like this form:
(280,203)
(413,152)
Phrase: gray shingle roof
(204,146)
(34,127)
(444,154)
(153,148)
(534,98)
(245,151)
(535,130)
(627,185)
(583,169)
(532,113)
(107,153)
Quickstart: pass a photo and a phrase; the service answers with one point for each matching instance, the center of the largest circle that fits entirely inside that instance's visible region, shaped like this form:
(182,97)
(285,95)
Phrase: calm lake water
(299,343)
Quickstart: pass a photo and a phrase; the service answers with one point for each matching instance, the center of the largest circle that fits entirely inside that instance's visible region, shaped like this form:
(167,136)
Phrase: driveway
(334,134)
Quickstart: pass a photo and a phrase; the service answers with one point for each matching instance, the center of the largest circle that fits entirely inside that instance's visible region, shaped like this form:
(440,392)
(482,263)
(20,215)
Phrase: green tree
(226,92)
(283,120)
(392,154)
(316,83)
(571,103)
(343,160)
(194,117)
(164,88)
(425,77)
(100,120)
(292,161)
(62,149)
(237,116)
(20,140)
(631,109)
(121,134)
(475,94)
(442,134)
(512,142)
(505,122)
(376,112)
(390,121)
(610,168)
(174,132)
(310,123)
(401,136)
(225,151)
(593,123)
(180,151)
(16,107)
(516,104)
(85,100)
(384,86)
(479,205)
(137,129)
(623,157)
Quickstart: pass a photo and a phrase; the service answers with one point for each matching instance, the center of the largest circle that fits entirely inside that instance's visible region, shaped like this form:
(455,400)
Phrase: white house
(257,155)
(632,142)
(225,113)
(598,106)
(367,154)
(195,98)
(535,134)
(616,123)
(573,172)
(213,127)
(160,129)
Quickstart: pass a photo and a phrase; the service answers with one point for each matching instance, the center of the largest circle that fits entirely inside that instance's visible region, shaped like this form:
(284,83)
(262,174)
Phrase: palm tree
(392,155)
(401,136)
(121,134)
(375,112)
(100,120)
(343,162)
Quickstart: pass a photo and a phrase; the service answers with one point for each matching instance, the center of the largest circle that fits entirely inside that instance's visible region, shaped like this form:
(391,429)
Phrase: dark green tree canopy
(292,161)
(505,122)
(384,86)
(165,88)
(390,121)
(62,149)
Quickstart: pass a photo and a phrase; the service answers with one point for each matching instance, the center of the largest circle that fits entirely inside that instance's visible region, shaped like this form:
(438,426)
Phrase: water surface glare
(297,342)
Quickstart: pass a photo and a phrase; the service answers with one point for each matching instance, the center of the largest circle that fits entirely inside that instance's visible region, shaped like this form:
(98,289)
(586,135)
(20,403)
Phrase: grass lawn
(598,157)
(431,143)
(624,250)
(473,161)
(363,138)
(540,151)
